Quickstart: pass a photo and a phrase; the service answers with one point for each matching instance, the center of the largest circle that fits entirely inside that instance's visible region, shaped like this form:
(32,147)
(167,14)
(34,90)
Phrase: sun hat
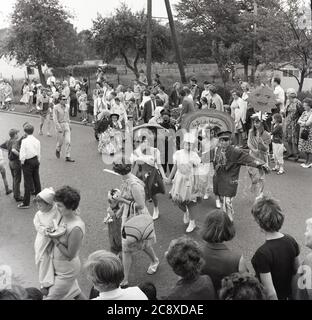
(47,195)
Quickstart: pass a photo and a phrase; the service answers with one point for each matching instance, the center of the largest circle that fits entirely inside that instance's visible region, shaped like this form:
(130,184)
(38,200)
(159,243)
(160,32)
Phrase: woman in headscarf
(293,112)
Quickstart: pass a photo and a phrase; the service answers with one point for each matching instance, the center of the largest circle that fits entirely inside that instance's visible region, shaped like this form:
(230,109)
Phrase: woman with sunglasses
(227,163)
(259,140)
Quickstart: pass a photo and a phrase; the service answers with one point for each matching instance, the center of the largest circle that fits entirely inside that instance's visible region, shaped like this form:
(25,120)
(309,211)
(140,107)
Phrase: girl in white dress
(43,221)
(184,190)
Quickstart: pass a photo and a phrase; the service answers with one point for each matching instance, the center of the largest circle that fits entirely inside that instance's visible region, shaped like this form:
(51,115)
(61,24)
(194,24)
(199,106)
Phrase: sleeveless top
(64,238)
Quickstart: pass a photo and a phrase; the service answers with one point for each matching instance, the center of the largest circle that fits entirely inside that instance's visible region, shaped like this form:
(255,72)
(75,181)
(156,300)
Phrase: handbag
(304,134)
(138,228)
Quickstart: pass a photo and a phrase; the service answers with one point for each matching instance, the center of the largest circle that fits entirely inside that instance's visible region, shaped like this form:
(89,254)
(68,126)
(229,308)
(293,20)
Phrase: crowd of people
(206,163)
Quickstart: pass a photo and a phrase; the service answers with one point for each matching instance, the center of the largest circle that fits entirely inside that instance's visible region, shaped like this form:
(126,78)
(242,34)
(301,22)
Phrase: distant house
(287,74)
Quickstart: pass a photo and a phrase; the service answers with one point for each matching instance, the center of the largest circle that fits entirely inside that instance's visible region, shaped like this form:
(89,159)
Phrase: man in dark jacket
(227,163)
(12,146)
(149,107)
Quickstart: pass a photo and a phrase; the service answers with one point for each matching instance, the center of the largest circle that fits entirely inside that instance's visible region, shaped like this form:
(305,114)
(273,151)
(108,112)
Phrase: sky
(86,10)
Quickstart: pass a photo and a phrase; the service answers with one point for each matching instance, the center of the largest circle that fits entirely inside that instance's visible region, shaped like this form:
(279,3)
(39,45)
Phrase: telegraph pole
(149,43)
(175,42)
(254,45)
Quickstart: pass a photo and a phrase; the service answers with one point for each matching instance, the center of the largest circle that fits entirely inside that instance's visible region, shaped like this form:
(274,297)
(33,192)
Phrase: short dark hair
(149,289)
(69,196)
(29,129)
(114,94)
(162,88)
(147,93)
(308,101)
(268,214)
(34,294)
(7,294)
(212,88)
(204,99)
(277,80)
(218,227)
(122,168)
(206,82)
(187,90)
(185,257)
(278,117)
(194,80)
(241,286)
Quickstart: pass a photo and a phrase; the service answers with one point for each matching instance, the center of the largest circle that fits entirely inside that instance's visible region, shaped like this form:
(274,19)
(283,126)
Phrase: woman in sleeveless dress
(132,189)
(66,260)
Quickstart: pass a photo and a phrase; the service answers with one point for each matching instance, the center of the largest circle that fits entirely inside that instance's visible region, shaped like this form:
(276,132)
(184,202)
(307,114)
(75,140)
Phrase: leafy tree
(287,42)
(229,26)
(124,35)
(85,43)
(41,34)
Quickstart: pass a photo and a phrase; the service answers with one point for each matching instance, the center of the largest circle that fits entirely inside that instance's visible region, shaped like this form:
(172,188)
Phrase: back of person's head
(147,93)
(149,289)
(218,227)
(241,286)
(185,257)
(268,214)
(105,270)
(278,118)
(204,100)
(29,129)
(277,80)
(34,294)
(162,88)
(212,89)
(187,91)
(308,101)
(8,294)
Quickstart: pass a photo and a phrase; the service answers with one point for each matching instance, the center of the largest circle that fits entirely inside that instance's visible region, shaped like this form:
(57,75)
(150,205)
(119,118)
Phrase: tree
(124,35)
(290,43)
(85,43)
(41,34)
(229,26)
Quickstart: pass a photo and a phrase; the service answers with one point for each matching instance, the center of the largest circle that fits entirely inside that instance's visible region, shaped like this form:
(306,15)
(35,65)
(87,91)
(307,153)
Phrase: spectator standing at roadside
(12,147)
(62,126)
(216,100)
(30,155)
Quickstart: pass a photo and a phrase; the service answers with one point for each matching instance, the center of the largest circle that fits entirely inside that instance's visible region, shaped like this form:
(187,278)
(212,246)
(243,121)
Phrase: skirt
(65,282)
(183,190)
(306,145)
(25,98)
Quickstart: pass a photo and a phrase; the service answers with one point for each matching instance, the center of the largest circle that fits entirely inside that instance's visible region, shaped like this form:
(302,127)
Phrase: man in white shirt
(51,80)
(279,93)
(206,93)
(100,105)
(72,81)
(30,161)
(62,127)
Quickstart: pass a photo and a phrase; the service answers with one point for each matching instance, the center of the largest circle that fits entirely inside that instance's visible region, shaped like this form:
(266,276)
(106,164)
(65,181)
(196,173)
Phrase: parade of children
(193,161)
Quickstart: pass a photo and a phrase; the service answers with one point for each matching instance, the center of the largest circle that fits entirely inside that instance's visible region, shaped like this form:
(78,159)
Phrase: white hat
(47,195)
(65,82)
(189,137)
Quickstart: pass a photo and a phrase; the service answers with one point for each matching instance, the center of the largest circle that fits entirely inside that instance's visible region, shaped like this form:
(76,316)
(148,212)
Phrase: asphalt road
(17,233)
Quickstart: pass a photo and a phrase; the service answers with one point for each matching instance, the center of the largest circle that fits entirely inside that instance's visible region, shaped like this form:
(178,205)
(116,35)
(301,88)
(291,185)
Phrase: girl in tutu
(43,222)
(184,190)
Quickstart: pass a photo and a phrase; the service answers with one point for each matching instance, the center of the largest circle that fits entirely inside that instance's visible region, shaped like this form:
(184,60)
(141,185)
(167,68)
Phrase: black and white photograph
(156,150)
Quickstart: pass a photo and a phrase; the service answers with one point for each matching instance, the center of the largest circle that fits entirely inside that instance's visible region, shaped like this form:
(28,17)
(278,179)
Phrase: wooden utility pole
(254,45)
(175,42)
(149,43)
